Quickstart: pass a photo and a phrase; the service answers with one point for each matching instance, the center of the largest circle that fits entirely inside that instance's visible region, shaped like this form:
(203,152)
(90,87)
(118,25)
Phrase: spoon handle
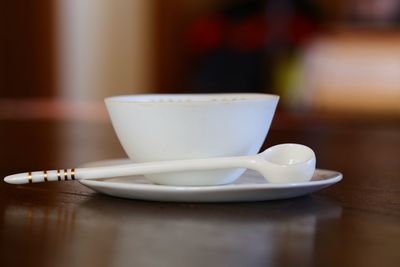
(132,169)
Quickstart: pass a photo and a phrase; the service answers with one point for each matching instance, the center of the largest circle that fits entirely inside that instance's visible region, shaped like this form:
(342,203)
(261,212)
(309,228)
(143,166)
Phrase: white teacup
(187,126)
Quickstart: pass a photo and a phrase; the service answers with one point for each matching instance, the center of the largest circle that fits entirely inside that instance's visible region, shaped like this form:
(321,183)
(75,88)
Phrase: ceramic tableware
(191,126)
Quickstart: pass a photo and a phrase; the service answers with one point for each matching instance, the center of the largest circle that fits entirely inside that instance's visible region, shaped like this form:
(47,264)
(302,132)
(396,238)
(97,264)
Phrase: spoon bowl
(287,163)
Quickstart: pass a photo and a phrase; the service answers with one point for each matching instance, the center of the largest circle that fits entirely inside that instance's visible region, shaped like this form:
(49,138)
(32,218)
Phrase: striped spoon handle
(129,169)
(41,176)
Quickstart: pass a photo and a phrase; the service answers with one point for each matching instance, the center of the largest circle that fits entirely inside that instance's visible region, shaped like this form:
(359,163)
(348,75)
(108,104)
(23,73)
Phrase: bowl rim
(189,99)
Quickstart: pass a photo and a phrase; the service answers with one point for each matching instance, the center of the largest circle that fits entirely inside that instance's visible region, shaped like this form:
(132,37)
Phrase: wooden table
(354,223)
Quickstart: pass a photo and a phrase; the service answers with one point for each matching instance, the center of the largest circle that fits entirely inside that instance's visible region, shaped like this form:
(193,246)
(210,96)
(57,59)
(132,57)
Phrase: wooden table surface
(353,223)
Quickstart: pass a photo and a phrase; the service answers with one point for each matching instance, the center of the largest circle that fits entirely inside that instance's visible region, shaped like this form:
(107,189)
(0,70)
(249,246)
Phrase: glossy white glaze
(175,127)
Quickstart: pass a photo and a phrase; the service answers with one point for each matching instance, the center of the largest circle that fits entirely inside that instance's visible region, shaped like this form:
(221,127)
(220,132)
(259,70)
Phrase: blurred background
(62,57)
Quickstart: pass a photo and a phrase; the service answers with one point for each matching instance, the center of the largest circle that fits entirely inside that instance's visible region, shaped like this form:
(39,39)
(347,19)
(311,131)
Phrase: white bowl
(186,126)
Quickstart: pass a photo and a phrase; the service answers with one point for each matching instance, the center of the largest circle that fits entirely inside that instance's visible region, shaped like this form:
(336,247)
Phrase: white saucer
(251,186)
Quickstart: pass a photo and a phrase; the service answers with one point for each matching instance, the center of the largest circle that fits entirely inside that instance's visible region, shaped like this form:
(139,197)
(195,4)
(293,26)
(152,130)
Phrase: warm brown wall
(27,49)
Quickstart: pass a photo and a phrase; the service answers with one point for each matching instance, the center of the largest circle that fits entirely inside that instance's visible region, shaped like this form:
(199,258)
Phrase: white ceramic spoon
(285,163)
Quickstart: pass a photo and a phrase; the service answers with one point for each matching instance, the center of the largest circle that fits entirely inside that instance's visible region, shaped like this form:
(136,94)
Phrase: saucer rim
(335,178)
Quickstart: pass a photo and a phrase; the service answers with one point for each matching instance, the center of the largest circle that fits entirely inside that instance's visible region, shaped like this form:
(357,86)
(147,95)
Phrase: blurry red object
(206,34)
(249,34)
(301,30)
